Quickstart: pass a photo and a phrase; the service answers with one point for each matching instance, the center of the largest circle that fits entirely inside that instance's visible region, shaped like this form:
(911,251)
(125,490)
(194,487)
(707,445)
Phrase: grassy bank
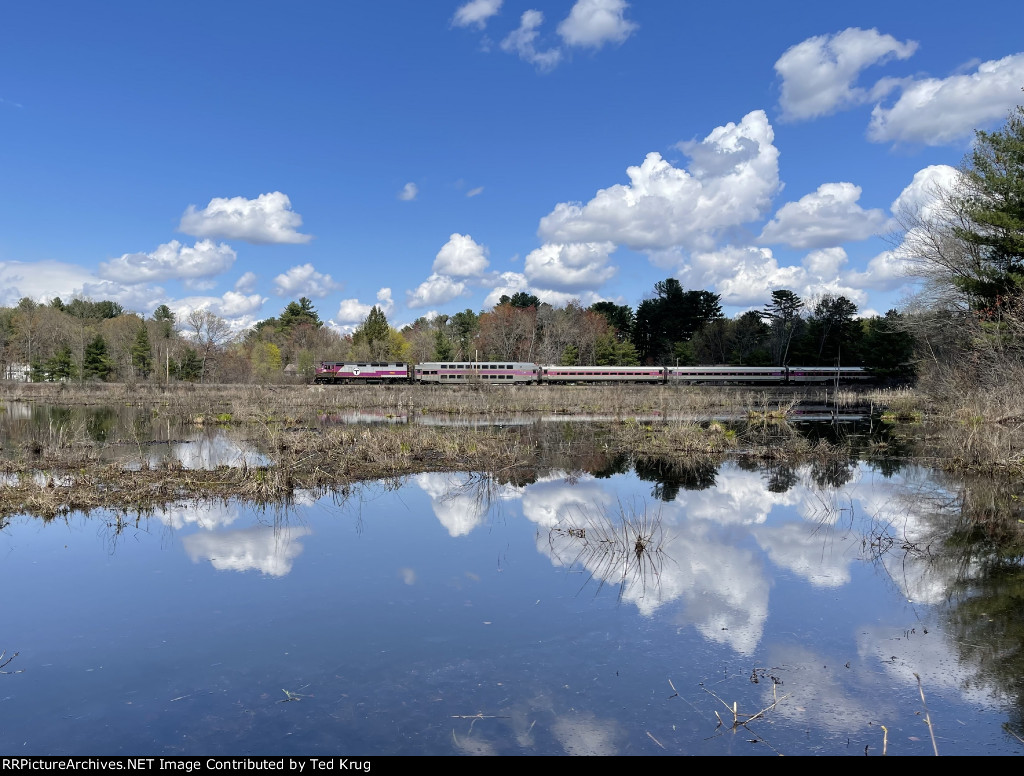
(259,403)
(67,474)
(62,469)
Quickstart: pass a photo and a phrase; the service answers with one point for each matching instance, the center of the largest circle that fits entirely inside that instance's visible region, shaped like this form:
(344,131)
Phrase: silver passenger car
(602,374)
(478,372)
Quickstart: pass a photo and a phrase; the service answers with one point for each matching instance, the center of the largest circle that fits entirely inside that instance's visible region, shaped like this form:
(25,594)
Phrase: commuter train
(526,373)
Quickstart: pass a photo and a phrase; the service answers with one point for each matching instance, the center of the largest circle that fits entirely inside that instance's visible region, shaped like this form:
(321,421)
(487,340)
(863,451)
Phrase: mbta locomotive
(526,373)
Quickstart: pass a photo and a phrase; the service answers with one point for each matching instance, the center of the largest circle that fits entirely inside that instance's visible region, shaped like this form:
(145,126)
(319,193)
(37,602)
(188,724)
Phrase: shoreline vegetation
(62,469)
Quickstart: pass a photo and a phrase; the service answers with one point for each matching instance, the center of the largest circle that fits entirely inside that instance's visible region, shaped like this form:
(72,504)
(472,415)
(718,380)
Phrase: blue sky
(430,156)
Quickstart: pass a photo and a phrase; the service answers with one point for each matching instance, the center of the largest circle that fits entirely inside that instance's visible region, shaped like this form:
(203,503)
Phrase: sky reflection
(450,614)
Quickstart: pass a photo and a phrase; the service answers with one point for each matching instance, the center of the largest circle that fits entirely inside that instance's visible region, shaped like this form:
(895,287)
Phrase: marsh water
(616,609)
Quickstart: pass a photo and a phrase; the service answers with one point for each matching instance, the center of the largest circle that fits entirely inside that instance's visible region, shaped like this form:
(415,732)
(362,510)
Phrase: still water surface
(447,614)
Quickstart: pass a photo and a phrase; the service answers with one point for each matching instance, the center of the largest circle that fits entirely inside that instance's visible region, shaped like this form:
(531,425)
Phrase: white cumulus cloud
(354,311)
(570,267)
(826,217)
(408,192)
(746,275)
(522,41)
(247,283)
(510,283)
(40,281)
(170,260)
(461,256)
(936,111)
(304,280)
(506,284)
(476,13)
(818,74)
(592,23)
(267,219)
(239,310)
(734,174)
(435,290)
(925,192)
(885,272)
(131,296)
(825,263)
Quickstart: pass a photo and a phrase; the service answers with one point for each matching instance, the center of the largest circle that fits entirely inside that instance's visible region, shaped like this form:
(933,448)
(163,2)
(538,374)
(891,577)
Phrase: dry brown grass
(60,469)
(60,481)
(246,403)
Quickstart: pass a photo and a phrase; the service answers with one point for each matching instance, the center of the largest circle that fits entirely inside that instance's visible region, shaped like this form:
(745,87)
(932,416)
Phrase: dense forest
(87,340)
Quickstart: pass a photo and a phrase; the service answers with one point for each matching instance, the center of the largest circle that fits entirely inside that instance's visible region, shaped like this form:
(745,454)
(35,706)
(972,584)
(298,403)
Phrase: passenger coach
(485,372)
(826,374)
(692,375)
(602,374)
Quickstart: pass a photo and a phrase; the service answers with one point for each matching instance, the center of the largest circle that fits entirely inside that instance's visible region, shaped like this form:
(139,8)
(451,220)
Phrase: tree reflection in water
(950,541)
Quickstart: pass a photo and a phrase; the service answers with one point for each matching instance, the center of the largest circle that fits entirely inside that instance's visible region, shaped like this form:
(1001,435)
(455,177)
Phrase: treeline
(86,340)
(674,326)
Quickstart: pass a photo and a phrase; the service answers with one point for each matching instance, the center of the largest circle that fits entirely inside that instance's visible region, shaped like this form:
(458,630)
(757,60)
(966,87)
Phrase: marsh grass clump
(624,546)
(680,438)
(773,437)
(892,417)
(59,443)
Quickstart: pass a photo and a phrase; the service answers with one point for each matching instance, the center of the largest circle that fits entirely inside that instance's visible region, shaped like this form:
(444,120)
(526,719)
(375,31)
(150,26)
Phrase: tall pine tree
(142,353)
(96,362)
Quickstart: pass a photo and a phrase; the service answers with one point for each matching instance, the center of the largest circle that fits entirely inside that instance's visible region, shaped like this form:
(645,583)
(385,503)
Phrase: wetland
(515,571)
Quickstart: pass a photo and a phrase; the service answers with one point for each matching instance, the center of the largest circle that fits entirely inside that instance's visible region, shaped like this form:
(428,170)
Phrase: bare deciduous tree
(210,333)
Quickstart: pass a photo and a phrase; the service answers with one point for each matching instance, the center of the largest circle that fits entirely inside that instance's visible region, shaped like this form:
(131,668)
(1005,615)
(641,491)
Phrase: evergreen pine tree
(165,317)
(142,353)
(96,361)
(191,367)
(993,204)
(62,366)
